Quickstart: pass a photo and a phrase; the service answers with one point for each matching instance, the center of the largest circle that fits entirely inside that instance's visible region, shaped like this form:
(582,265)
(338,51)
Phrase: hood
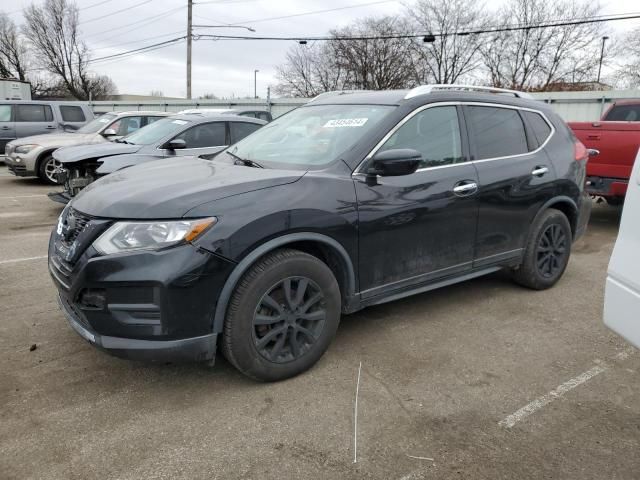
(169,188)
(86,152)
(60,139)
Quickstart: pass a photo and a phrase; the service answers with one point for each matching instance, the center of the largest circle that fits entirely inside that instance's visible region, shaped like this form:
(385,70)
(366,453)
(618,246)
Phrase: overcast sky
(222,67)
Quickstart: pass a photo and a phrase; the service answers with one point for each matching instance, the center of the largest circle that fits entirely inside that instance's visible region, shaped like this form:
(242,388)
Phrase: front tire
(46,170)
(282,316)
(547,251)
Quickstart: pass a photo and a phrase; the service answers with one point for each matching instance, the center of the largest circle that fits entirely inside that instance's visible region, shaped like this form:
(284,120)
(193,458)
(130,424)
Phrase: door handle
(539,171)
(50,127)
(465,188)
(6,128)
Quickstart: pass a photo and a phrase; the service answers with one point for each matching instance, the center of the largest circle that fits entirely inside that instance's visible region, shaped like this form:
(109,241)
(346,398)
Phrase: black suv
(352,200)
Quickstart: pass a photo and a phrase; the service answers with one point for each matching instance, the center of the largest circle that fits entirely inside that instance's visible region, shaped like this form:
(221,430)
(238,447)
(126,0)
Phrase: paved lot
(444,377)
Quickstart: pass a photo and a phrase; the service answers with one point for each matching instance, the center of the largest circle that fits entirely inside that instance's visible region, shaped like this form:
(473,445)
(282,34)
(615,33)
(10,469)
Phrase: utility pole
(604,39)
(255,83)
(189,27)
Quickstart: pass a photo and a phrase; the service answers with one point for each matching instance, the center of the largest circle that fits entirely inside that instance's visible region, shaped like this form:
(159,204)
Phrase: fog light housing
(92,299)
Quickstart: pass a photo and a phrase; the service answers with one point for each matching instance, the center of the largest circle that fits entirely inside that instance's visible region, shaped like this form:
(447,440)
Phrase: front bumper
(150,305)
(22,165)
(202,348)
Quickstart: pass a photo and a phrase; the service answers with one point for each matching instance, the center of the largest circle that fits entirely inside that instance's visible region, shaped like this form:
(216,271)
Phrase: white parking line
(23,196)
(26,259)
(559,391)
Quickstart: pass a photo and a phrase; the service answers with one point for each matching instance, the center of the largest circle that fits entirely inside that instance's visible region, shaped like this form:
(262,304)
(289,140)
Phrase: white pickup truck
(622,292)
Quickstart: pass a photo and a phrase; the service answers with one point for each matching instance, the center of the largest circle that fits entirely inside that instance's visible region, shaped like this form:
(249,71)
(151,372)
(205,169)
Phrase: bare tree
(349,61)
(13,50)
(628,71)
(451,56)
(310,70)
(52,29)
(536,58)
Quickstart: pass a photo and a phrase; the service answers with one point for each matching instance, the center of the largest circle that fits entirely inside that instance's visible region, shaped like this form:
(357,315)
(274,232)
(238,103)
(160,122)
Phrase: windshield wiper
(244,161)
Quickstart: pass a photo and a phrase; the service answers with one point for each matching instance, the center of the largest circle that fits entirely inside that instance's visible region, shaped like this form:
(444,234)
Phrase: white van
(622,292)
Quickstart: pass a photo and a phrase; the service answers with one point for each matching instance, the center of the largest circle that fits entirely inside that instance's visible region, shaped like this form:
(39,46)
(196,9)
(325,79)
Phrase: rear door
(204,138)
(516,179)
(417,228)
(33,119)
(7,128)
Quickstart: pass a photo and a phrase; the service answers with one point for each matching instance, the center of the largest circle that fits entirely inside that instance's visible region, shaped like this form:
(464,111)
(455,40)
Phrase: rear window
(497,132)
(541,129)
(71,113)
(33,113)
(624,113)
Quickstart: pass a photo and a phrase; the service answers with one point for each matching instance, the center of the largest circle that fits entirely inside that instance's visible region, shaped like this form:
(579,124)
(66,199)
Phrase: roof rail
(335,92)
(424,89)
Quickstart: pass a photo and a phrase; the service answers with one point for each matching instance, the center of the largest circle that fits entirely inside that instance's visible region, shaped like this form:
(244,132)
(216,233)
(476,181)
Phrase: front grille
(79,221)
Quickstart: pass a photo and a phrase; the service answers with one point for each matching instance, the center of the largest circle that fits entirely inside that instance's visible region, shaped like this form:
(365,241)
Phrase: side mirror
(593,152)
(394,163)
(176,144)
(109,132)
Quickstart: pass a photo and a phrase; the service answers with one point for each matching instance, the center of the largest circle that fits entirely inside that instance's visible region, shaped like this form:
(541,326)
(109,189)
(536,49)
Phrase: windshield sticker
(345,122)
(180,122)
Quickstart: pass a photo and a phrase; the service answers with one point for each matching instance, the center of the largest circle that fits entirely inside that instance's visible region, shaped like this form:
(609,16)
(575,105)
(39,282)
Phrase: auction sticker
(345,122)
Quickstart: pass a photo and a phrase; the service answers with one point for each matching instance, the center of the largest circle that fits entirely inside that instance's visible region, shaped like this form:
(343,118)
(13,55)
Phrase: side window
(497,132)
(434,132)
(150,120)
(204,135)
(540,127)
(263,116)
(72,113)
(126,125)
(239,130)
(624,113)
(248,114)
(33,113)
(5,113)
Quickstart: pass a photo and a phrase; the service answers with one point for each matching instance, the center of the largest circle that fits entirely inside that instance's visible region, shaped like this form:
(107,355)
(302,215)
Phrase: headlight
(25,148)
(128,236)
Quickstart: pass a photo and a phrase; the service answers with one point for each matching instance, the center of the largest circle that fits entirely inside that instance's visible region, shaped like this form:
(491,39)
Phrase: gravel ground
(443,380)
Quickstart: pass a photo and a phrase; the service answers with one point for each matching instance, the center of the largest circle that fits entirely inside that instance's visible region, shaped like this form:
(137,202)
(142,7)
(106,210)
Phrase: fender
(246,262)
(554,201)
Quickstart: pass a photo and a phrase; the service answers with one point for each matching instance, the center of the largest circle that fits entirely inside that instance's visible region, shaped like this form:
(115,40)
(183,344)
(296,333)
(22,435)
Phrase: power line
(417,35)
(145,21)
(116,12)
(97,4)
(305,13)
(140,40)
(141,49)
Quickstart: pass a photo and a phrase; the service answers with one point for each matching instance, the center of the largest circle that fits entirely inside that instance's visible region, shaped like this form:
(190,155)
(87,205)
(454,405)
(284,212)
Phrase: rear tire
(282,316)
(46,170)
(547,251)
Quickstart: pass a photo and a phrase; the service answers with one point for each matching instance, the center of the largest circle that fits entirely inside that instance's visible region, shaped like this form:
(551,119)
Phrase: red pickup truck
(617,138)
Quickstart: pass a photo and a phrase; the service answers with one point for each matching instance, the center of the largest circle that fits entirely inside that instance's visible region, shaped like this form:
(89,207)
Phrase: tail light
(580,151)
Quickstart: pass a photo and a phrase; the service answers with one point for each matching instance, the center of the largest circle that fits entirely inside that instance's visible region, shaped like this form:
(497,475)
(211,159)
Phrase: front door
(416,228)
(516,178)
(7,129)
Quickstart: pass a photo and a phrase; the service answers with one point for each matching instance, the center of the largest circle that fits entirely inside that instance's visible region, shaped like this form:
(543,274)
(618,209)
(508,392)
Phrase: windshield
(309,136)
(156,131)
(97,124)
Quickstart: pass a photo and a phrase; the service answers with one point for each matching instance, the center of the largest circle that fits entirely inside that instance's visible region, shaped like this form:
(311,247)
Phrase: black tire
(45,169)
(547,251)
(270,336)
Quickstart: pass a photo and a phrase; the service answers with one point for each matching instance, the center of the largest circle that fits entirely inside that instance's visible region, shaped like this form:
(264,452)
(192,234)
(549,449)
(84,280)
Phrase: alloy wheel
(551,251)
(51,168)
(289,319)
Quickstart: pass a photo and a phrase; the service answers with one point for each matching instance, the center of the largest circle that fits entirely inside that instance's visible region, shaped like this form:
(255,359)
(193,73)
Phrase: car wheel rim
(50,169)
(289,319)
(551,251)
